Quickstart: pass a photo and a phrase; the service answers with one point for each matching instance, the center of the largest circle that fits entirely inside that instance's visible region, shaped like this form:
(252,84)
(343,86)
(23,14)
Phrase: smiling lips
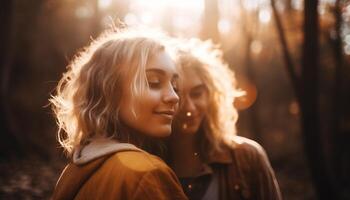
(169,114)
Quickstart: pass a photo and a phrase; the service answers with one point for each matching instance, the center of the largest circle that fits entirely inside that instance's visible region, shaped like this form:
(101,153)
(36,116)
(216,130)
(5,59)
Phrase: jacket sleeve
(160,183)
(266,183)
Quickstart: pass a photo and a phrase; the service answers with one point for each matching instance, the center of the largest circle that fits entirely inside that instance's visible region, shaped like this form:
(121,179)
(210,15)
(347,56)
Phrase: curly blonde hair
(206,60)
(87,99)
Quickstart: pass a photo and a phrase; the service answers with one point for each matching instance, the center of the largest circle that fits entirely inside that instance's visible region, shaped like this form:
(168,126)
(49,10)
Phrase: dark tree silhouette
(287,56)
(306,89)
(7,52)
(340,147)
(309,103)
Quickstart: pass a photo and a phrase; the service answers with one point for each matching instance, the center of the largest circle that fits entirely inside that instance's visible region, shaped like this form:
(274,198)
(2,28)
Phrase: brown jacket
(117,173)
(244,172)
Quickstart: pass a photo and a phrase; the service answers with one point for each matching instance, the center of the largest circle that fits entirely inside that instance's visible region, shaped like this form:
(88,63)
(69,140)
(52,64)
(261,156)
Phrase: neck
(185,158)
(140,140)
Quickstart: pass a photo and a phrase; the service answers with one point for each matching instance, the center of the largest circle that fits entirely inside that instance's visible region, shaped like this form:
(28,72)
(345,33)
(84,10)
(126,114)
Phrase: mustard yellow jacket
(125,173)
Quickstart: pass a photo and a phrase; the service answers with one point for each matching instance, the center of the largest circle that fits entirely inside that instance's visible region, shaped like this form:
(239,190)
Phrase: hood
(98,148)
(86,161)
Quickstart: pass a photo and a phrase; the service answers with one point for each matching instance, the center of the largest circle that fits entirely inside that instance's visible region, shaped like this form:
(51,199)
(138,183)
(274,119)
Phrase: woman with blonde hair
(118,96)
(205,153)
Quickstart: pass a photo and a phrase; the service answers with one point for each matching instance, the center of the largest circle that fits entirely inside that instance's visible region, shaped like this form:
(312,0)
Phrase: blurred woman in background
(117,98)
(205,153)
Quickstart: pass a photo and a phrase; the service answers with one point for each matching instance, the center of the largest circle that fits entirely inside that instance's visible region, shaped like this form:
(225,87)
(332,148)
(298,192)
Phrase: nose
(188,105)
(171,96)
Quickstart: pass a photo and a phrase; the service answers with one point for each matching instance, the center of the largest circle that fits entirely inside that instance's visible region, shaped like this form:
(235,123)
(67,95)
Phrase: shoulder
(135,161)
(245,145)
(142,175)
(128,166)
(248,151)
(254,168)
(131,175)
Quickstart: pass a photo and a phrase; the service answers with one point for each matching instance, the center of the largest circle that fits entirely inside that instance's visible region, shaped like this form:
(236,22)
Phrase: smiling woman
(205,153)
(154,113)
(114,102)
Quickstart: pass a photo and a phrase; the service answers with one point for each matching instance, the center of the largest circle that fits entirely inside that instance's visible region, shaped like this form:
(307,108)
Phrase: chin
(190,130)
(162,132)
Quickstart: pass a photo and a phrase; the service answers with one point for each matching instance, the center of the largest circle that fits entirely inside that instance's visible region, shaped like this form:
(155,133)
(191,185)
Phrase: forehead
(191,79)
(161,62)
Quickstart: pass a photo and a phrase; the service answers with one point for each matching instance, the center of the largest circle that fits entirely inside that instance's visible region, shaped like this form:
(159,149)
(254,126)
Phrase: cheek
(152,97)
(202,106)
(127,116)
(147,105)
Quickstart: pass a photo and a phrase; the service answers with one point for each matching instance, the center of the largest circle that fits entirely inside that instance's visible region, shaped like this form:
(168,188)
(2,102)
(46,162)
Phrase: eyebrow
(162,72)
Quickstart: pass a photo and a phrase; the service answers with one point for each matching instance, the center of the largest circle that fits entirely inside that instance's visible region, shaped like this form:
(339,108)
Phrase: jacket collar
(99,147)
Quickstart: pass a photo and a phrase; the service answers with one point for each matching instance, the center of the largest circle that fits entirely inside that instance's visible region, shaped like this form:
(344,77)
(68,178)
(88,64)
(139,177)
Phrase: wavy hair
(87,98)
(219,124)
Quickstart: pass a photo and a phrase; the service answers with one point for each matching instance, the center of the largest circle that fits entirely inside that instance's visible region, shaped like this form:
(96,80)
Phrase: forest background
(290,56)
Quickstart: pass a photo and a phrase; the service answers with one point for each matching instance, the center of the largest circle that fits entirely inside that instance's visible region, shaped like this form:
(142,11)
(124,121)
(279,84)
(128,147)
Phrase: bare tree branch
(287,58)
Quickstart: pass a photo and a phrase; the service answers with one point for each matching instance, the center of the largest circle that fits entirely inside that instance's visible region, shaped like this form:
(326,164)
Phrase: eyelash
(197,94)
(157,85)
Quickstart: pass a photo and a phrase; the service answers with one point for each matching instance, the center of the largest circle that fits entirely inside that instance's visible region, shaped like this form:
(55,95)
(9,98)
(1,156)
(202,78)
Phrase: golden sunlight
(103,4)
(173,15)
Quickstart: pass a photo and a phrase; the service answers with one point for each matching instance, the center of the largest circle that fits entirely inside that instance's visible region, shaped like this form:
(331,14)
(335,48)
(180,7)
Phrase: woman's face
(154,111)
(194,103)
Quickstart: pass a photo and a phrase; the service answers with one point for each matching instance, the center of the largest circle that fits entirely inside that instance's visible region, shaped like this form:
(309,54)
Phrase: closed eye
(154,84)
(198,91)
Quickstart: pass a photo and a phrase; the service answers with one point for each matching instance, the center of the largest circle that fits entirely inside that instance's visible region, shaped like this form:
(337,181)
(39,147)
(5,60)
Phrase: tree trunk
(252,112)
(288,4)
(310,116)
(96,20)
(9,142)
(338,138)
(210,20)
(287,58)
